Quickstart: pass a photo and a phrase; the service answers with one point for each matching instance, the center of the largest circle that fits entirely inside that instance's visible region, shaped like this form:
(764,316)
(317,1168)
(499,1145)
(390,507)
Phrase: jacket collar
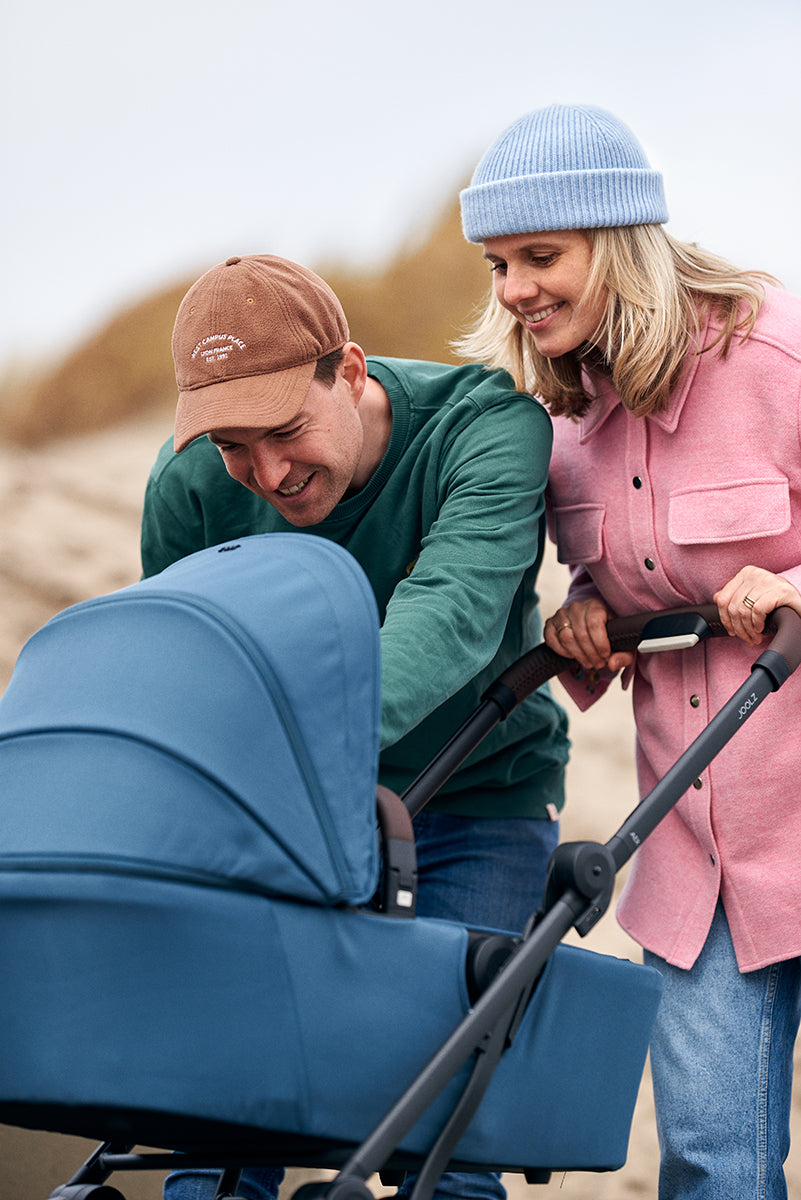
(604,399)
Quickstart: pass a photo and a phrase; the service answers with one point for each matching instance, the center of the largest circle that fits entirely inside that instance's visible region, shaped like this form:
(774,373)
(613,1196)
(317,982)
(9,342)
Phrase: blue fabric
(722,1063)
(567,166)
(475,870)
(181,682)
(149,820)
(480,871)
(161,1002)
(202,1183)
(264,1185)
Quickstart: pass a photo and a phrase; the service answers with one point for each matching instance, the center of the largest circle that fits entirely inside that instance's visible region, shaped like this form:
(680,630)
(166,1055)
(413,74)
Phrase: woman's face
(540,279)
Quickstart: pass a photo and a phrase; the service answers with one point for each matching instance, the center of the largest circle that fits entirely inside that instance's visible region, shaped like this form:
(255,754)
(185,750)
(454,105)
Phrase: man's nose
(268,465)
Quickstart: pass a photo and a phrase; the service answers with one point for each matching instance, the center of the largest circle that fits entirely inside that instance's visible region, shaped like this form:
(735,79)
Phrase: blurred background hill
(411,307)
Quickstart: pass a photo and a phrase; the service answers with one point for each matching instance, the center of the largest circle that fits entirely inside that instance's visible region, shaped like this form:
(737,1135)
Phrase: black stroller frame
(578,893)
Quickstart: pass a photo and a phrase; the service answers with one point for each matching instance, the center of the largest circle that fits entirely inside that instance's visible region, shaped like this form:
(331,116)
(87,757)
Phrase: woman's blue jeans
(478,871)
(722,1064)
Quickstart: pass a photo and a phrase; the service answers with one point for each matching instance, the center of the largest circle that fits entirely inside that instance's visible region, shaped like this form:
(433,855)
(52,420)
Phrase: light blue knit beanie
(562,167)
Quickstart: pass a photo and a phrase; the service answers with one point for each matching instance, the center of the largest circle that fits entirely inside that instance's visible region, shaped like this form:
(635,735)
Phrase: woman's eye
(543,260)
(498,266)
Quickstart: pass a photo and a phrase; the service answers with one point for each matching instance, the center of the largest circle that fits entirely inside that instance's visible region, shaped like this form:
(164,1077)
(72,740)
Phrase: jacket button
(695,701)
(637,481)
(697,784)
(650,564)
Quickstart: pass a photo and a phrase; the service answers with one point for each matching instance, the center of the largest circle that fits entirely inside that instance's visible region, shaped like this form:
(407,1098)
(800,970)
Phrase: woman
(674,381)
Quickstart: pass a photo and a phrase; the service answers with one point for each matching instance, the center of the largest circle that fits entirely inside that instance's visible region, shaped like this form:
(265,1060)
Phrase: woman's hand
(746,600)
(579,631)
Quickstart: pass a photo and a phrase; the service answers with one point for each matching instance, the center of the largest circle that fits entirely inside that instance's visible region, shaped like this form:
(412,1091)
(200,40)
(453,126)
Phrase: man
(432,477)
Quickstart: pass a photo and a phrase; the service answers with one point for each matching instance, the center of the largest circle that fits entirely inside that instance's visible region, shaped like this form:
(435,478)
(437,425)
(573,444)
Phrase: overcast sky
(144,142)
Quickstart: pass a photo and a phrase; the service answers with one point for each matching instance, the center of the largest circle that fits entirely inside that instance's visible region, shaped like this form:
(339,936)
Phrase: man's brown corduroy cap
(246,343)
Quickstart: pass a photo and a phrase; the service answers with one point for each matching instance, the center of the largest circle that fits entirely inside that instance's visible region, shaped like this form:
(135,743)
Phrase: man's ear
(354,369)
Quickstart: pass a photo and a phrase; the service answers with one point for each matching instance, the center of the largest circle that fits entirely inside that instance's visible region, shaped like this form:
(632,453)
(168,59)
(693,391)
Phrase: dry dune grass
(124,368)
(418,305)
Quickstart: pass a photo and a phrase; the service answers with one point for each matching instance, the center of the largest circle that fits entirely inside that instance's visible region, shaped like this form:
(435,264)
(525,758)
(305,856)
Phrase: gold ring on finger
(748,602)
(565,625)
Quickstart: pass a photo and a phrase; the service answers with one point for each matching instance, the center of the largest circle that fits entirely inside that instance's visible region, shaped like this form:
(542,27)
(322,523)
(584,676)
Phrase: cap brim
(253,402)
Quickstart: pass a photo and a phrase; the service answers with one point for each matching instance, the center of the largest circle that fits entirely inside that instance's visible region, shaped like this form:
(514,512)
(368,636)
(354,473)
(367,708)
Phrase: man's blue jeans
(722,1064)
(477,871)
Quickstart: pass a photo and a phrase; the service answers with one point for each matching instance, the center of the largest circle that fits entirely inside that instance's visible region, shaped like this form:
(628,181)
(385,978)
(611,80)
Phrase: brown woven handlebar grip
(787,640)
(533,669)
(625,633)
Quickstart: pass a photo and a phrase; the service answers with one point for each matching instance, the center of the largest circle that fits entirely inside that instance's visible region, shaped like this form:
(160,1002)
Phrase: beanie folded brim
(588,199)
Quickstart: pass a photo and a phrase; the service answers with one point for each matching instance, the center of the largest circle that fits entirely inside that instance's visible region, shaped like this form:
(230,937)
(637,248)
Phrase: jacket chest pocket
(578,532)
(732,512)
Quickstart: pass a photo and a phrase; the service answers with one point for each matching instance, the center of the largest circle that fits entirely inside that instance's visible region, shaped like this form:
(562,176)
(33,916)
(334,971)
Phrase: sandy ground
(70,531)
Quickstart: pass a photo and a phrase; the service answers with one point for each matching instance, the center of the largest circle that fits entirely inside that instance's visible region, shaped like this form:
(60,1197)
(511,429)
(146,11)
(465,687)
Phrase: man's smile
(295,488)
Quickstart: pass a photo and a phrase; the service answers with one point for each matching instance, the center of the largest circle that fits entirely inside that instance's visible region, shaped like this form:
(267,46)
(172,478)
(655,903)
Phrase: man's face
(304,467)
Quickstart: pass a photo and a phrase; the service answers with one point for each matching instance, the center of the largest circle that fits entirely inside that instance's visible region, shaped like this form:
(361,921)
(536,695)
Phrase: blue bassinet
(188,774)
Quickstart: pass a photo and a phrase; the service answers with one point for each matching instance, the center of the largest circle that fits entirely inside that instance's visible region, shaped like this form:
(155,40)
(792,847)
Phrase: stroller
(207,922)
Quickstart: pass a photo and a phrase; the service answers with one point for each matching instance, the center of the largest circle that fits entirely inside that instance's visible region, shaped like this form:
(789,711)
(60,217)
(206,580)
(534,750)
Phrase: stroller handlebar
(647,632)
(787,636)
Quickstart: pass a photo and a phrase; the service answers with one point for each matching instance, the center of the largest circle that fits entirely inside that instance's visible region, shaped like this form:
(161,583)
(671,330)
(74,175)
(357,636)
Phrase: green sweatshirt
(449,531)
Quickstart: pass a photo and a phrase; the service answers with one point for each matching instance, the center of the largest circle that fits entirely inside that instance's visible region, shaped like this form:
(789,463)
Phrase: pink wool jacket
(655,512)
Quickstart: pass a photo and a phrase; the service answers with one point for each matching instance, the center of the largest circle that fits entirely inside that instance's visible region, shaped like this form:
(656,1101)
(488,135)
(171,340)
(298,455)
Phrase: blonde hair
(659,292)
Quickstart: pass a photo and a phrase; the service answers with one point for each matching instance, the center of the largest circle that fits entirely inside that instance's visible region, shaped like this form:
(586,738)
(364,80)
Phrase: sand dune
(70,531)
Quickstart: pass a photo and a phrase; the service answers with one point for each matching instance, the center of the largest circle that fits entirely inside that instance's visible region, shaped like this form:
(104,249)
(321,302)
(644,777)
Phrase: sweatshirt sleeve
(446,620)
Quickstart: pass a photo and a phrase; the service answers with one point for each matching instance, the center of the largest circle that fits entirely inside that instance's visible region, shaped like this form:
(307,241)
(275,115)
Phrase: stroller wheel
(344,1187)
